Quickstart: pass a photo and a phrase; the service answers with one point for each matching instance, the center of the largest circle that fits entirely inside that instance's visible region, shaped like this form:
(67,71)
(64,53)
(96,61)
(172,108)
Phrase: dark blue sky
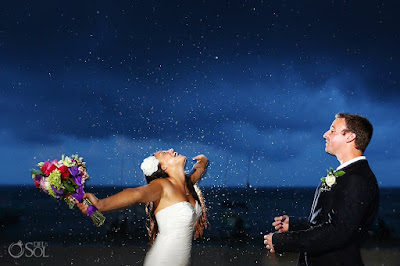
(251,84)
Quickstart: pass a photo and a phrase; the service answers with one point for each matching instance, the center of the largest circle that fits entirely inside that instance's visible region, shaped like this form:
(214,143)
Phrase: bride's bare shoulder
(165,183)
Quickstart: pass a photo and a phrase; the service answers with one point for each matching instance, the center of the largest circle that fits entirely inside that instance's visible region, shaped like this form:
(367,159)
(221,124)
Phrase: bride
(175,206)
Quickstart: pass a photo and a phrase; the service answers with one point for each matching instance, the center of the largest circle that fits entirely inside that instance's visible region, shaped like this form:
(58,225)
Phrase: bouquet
(65,179)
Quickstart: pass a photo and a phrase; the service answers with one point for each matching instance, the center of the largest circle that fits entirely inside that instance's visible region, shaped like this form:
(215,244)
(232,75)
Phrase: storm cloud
(238,81)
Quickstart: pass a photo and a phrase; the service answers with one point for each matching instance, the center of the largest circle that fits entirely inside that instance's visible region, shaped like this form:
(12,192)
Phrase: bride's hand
(281,223)
(198,168)
(200,158)
(83,207)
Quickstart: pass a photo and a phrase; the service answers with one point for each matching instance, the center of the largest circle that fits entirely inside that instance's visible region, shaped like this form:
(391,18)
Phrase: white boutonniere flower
(330,180)
(149,165)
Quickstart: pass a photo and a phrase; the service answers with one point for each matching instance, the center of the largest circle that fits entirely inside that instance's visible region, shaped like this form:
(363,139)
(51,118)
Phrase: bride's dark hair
(151,224)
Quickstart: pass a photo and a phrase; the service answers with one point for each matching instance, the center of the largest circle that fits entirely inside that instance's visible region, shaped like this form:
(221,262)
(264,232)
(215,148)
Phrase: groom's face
(336,136)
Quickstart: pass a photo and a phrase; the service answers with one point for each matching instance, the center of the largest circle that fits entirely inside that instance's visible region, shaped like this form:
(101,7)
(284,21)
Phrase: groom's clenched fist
(268,242)
(281,223)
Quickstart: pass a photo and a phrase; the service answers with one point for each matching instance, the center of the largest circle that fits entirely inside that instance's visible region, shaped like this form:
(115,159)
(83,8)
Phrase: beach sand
(92,255)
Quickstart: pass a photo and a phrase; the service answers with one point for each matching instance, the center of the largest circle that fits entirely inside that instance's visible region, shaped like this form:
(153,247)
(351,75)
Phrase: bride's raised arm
(199,168)
(125,198)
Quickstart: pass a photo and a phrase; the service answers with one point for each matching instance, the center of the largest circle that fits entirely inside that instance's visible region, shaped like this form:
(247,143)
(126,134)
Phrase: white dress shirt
(350,162)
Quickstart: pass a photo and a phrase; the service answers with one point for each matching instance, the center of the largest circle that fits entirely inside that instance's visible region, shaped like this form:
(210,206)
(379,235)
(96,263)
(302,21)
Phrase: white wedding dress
(173,243)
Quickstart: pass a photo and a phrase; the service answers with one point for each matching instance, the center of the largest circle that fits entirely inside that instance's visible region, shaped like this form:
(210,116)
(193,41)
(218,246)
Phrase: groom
(345,203)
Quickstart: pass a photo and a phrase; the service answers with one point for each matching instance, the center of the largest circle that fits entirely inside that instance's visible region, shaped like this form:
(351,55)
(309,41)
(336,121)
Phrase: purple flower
(78,180)
(74,171)
(79,194)
(58,192)
(76,175)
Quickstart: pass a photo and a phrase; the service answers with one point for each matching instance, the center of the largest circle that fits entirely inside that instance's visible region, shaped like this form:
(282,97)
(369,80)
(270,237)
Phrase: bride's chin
(183,159)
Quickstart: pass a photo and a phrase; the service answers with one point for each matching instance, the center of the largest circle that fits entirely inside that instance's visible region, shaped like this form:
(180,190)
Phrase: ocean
(237,216)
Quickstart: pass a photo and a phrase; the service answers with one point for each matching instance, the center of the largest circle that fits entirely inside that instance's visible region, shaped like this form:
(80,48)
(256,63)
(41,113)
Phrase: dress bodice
(178,217)
(173,243)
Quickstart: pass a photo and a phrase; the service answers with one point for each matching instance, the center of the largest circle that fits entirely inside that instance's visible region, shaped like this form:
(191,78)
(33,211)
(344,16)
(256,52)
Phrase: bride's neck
(178,175)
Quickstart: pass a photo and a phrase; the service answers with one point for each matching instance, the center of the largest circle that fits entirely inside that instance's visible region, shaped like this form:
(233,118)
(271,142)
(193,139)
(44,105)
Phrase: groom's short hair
(360,126)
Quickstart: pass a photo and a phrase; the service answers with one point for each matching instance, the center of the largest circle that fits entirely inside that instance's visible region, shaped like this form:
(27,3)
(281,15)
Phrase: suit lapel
(315,201)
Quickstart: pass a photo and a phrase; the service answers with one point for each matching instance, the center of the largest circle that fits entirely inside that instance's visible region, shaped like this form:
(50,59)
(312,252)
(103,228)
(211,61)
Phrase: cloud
(114,77)
(107,105)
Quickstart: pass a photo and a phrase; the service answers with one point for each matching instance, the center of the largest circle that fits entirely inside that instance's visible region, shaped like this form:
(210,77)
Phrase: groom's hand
(281,223)
(268,242)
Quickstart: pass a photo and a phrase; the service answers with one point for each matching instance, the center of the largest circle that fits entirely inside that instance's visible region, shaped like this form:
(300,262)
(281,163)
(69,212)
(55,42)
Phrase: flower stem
(97,217)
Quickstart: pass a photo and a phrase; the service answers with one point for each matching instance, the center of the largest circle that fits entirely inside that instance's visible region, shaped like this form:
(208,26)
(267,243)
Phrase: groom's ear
(351,136)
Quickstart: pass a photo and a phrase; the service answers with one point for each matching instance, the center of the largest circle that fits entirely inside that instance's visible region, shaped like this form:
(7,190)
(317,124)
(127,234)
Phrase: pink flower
(45,184)
(49,167)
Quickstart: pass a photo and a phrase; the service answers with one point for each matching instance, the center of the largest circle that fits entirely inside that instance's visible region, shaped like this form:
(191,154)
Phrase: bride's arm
(199,168)
(127,197)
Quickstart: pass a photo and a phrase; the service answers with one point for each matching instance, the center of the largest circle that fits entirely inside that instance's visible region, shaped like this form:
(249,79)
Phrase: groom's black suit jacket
(338,222)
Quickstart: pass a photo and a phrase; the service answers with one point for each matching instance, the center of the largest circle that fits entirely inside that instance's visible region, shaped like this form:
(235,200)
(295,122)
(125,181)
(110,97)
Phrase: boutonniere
(330,180)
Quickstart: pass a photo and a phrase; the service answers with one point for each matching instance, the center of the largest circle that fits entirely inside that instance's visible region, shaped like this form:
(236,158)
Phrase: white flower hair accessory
(149,165)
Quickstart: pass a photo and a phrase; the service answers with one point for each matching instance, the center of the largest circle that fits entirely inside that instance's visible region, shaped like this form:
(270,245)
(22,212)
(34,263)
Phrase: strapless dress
(173,243)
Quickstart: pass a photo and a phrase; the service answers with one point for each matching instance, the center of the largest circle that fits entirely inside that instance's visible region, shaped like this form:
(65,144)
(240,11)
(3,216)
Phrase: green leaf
(69,187)
(71,182)
(339,173)
(323,179)
(36,172)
